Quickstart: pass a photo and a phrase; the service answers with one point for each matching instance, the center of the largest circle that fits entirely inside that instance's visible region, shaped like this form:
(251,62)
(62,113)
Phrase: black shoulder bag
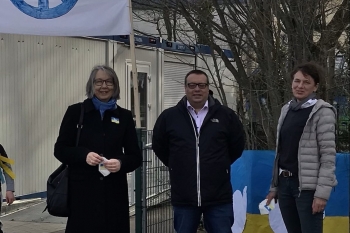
(57,184)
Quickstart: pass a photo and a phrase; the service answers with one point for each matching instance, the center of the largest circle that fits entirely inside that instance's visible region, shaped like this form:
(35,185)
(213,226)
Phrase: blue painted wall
(254,170)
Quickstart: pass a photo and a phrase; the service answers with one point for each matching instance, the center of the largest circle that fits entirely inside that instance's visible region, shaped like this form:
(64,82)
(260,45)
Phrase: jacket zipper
(275,178)
(199,201)
(198,174)
(299,163)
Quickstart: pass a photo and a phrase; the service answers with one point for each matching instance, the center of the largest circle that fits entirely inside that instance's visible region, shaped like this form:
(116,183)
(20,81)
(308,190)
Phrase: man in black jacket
(198,140)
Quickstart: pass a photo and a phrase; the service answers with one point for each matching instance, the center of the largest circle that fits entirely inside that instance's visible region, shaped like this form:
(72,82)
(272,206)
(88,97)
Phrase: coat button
(101,178)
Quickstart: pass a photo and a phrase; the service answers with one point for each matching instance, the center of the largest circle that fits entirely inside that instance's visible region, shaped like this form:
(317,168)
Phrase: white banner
(65,17)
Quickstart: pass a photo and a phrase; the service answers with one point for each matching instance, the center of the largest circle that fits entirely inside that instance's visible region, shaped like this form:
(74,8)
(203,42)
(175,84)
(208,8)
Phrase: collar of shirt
(189,107)
(198,117)
(308,103)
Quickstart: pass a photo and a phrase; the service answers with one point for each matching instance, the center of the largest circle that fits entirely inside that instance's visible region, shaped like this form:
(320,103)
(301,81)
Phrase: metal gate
(153,209)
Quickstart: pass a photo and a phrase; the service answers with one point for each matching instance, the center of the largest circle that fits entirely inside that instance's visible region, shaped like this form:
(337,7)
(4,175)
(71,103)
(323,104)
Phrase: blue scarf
(103,106)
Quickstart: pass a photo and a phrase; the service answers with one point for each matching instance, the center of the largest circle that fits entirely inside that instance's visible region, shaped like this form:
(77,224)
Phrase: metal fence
(149,192)
(343,127)
(149,186)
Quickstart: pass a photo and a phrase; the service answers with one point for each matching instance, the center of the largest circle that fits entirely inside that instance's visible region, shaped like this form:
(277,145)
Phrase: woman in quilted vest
(303,174)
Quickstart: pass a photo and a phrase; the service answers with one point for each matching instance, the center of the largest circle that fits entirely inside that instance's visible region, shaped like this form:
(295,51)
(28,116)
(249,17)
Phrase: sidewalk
(31,227)
(30,219)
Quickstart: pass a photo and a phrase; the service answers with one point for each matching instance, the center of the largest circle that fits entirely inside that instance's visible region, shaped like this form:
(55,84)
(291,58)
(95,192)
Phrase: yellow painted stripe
(260,224)
(257,224)
(336,225)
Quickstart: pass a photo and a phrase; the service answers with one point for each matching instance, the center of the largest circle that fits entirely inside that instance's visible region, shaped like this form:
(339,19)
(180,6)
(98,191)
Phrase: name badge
(115,120)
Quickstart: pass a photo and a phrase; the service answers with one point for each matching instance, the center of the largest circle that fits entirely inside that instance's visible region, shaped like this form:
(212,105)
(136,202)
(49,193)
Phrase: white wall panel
(39,78)
(174,86)
(176,66)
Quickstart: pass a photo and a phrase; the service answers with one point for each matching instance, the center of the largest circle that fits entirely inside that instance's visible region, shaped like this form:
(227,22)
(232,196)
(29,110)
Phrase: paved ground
(30,219)
(27,217)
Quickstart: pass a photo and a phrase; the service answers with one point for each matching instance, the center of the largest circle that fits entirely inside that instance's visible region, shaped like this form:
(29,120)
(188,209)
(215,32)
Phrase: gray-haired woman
(107,150)
(303,174)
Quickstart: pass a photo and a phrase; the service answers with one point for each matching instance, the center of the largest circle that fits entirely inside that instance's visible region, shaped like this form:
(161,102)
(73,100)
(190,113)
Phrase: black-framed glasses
(194,85)
(100,82)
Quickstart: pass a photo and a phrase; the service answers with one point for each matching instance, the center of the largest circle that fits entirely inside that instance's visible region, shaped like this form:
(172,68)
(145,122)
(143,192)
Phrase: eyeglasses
(99,82)
(194,85)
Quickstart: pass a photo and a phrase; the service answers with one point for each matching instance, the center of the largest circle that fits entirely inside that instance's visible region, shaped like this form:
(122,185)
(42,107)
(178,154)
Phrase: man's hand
(93,159)
(10,197)
(270,196)
(112,165)
(318,205)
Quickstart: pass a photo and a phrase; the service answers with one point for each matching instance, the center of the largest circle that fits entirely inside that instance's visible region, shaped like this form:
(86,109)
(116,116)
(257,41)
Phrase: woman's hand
(112,165)
(318,205)
(270,196)
(93,159)
(10,197)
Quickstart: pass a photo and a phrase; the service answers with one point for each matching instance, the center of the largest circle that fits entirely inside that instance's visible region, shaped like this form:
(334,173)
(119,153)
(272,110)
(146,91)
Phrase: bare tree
(267,38)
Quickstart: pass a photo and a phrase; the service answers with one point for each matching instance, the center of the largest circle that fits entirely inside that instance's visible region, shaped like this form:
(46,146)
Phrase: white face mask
(102,168)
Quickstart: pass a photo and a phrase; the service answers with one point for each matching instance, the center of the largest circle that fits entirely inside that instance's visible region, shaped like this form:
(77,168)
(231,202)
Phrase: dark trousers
(296,207)
(217,219)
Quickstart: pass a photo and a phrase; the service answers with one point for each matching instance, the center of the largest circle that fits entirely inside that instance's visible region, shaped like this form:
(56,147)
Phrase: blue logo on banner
(43,11)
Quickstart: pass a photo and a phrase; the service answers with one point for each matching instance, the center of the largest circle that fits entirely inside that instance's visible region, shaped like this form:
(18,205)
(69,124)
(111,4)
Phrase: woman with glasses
(303,174)
(107,150)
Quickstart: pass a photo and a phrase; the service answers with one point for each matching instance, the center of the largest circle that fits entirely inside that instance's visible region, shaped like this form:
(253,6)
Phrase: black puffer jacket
(199,175)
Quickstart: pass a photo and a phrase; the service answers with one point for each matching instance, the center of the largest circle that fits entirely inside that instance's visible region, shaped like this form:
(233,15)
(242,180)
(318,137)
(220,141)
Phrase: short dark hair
(196,72)
(314,70)
(211,92)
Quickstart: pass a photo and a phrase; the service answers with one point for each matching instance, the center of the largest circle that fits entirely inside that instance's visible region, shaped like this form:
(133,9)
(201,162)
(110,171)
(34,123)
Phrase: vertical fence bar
(158,214)
(138,190)
(144,189)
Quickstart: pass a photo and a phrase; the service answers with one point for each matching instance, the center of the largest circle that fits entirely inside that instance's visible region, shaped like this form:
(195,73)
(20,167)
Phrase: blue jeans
(217,218)
(296,209)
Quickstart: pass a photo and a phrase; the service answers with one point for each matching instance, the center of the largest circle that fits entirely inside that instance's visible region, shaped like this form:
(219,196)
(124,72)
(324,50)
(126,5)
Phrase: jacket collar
(211,103)
(89,107)
(323,104)
(318,105)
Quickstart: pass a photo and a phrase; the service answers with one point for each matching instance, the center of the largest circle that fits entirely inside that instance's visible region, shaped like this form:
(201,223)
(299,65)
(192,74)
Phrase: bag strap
(80,124)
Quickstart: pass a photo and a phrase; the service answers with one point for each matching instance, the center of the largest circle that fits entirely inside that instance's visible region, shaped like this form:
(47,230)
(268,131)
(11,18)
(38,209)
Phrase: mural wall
(251,176)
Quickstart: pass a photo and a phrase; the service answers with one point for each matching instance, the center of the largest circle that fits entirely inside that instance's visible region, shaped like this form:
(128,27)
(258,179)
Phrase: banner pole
(134,70)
